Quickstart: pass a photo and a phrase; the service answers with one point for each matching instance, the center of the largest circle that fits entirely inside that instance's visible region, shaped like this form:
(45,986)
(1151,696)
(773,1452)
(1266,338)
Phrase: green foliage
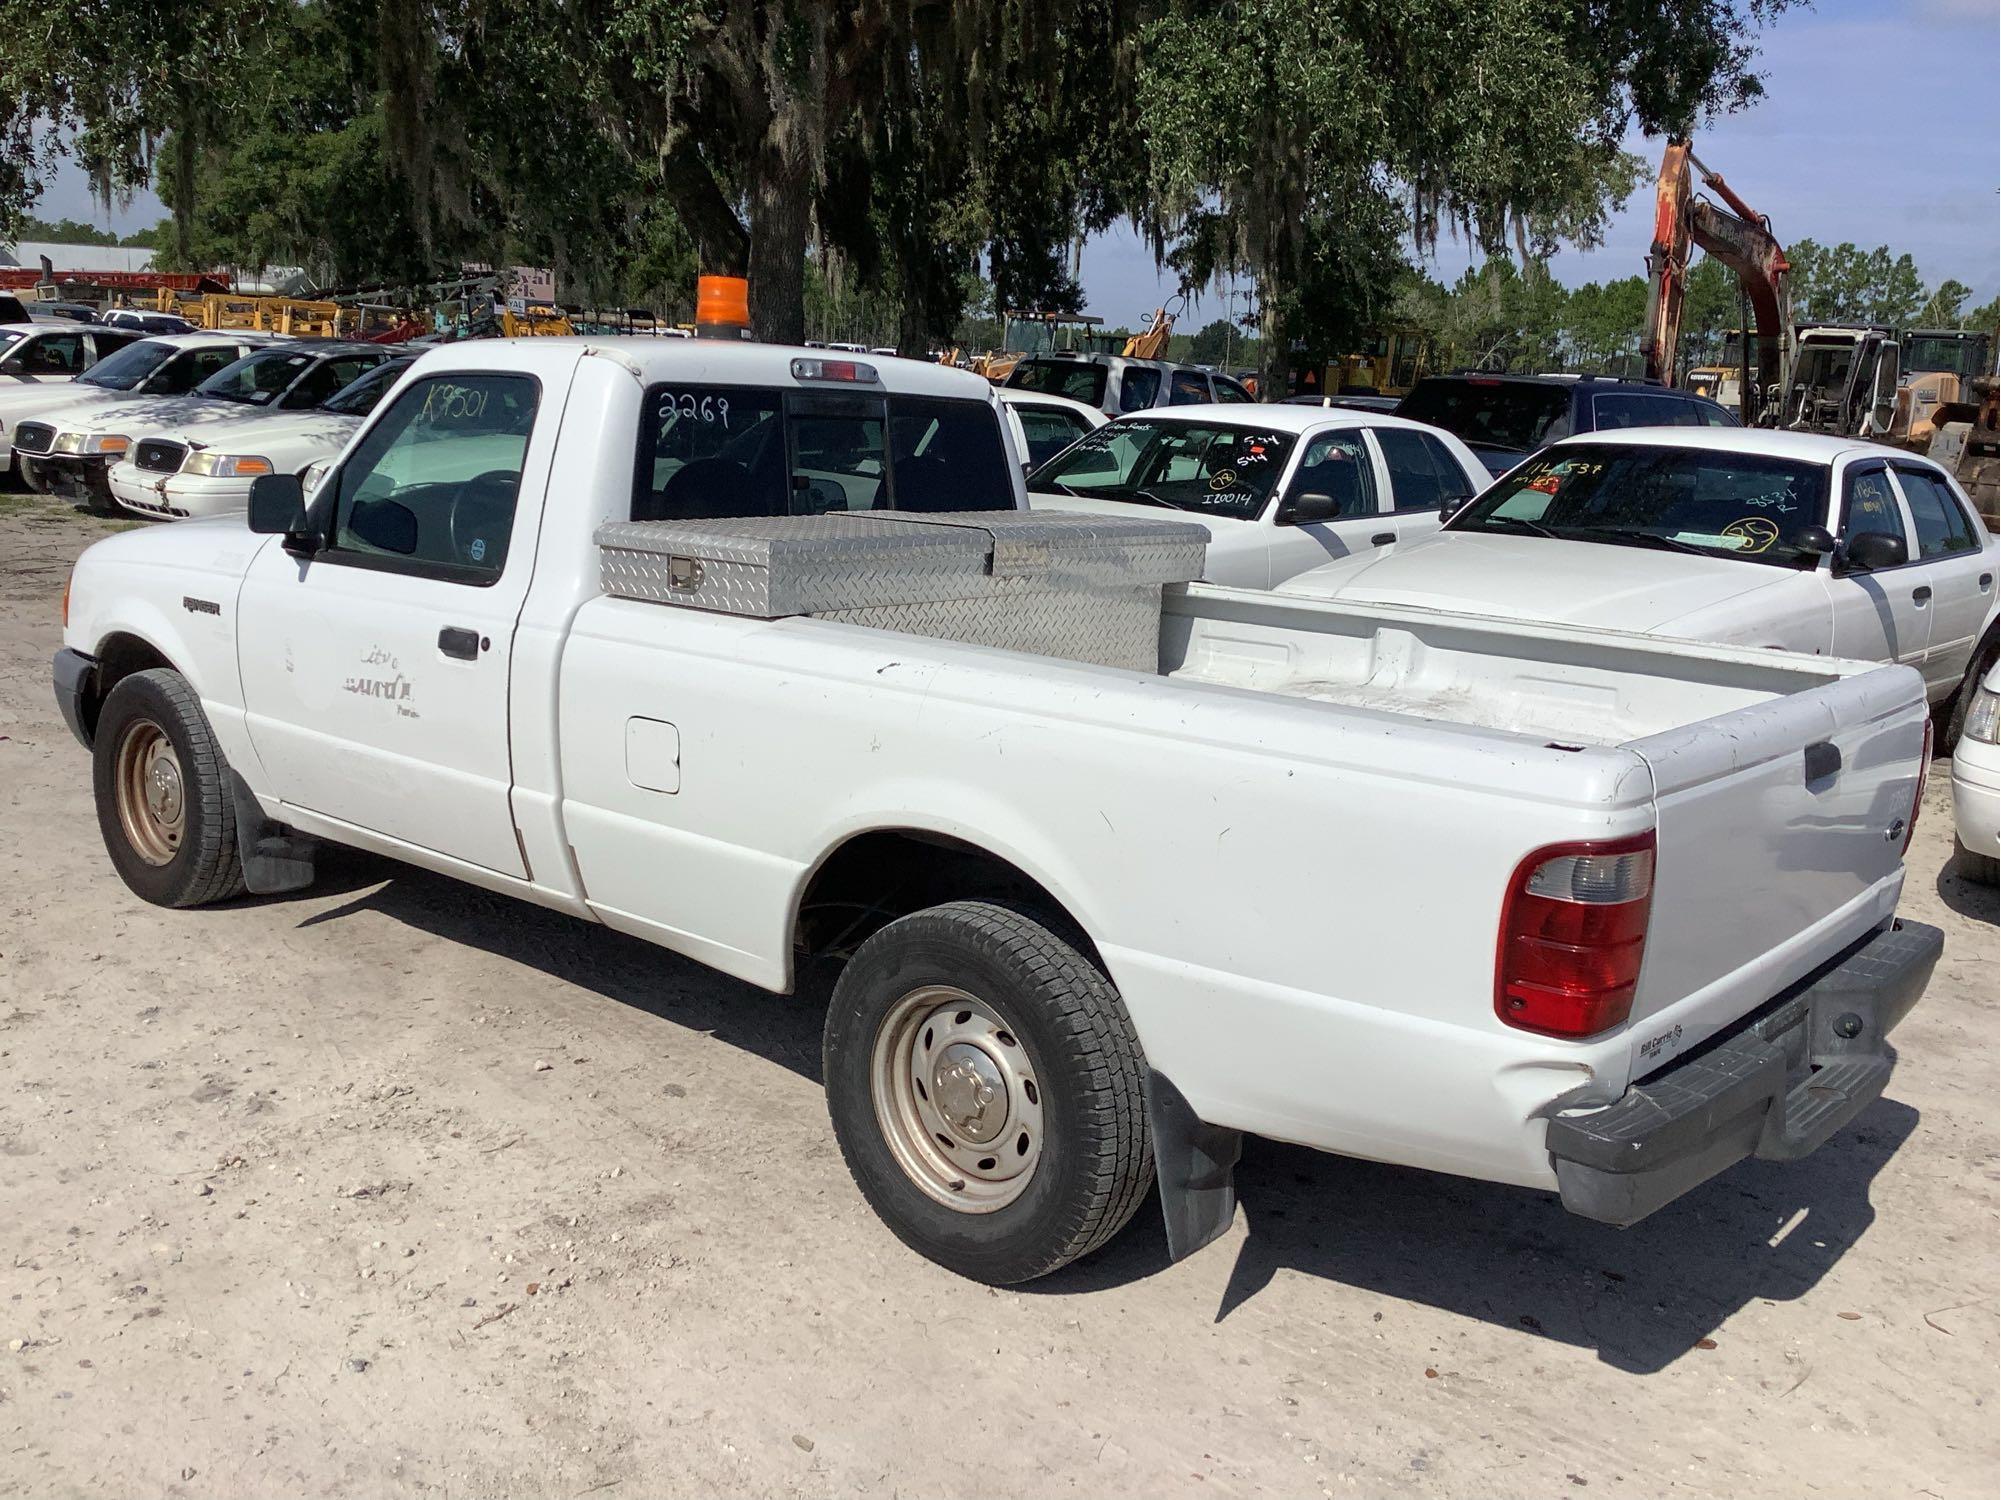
(1844,284)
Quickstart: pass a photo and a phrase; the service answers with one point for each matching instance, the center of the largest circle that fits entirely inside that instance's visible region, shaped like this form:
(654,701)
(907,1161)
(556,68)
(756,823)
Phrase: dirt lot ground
(289,1205)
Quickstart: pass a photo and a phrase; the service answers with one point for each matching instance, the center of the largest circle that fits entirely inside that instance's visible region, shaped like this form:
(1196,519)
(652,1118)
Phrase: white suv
(1116,384)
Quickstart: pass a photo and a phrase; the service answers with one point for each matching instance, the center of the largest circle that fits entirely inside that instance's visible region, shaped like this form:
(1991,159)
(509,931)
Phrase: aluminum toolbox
(1055,584)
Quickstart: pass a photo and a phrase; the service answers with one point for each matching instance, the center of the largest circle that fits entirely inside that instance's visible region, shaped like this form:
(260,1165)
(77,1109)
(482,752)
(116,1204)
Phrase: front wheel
(163,795)
(985,1085)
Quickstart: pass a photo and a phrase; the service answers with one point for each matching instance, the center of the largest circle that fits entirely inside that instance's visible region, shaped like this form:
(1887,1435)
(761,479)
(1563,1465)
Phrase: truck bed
(1536,681)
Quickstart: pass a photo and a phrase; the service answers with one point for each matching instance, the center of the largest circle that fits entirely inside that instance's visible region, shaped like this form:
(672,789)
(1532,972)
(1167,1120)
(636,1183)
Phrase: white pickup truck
(1529,903)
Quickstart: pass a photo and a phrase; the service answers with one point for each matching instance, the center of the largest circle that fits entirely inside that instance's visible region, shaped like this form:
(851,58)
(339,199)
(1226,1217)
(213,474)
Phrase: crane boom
(1736,235)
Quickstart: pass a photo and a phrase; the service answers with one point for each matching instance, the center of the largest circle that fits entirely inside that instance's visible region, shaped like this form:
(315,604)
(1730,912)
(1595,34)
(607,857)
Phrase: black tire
(1094,1161)
(1975,869)
(202,863)
(1955,719)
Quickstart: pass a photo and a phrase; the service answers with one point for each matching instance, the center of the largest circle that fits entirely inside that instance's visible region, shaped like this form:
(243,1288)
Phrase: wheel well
(118,657)
(876,877)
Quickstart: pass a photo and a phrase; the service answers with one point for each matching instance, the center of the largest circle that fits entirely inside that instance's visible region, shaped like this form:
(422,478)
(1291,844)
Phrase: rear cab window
(1077,379)
(715,452)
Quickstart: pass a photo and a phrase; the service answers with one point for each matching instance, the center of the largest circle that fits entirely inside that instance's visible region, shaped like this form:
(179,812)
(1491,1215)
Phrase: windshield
(358,397)
(126,368)
(1505,415)
(1061,377)
(1211,468)
(1964,357)
(1824,367)
(1697,500)
(256,379)
(8,337)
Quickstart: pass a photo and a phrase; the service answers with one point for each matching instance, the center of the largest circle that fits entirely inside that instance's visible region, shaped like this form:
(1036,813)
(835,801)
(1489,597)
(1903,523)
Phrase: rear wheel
(985,1087)
(163,795)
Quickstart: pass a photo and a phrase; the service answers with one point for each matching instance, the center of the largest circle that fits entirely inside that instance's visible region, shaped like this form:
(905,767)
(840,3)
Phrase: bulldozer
(1940,368)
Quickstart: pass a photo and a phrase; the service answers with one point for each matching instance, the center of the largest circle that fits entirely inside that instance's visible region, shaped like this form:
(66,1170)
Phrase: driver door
(1333,507)
(375,672)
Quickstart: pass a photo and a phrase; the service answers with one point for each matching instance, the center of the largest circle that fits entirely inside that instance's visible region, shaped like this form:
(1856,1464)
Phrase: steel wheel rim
(957,1099)
(150,792)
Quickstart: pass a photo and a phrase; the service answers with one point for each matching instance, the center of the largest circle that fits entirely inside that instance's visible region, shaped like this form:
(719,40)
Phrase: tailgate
(1781,830)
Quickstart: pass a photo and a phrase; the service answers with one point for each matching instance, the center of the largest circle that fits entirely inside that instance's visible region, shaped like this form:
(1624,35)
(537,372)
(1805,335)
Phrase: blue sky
(1881,124)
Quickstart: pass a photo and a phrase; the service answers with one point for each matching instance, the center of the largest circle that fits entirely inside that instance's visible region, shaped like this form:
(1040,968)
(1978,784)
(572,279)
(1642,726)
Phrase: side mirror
(1313,506)
(278,508)
(1875,550)
(1815,539)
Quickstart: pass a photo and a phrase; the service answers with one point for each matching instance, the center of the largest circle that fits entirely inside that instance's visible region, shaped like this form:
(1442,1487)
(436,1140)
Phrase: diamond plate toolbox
(1082,587)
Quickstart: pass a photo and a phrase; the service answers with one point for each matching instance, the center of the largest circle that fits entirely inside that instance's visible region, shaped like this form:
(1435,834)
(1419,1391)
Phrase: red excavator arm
(1740,238)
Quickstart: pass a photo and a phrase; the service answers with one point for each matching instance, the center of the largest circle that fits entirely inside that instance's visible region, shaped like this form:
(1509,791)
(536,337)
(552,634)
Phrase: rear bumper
(1976,797)
(1776,1087)
(74,675)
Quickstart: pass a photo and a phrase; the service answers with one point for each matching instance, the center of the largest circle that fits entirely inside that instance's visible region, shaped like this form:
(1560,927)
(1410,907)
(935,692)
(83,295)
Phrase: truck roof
(706,360)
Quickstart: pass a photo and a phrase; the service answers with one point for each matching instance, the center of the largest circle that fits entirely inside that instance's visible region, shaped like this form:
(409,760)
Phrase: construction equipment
(1389,362)
(1843,380)
(1741,238)
(1965,441)
(1151,341)
(1939,368)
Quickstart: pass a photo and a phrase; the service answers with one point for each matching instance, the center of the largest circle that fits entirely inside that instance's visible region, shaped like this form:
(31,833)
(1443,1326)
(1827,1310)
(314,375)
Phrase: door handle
(1922,594)
(1382,539)
(1986,582)
(464,645)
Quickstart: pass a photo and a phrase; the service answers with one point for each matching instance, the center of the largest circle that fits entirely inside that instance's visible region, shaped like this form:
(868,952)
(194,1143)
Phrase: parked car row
(178,425)
(752,653)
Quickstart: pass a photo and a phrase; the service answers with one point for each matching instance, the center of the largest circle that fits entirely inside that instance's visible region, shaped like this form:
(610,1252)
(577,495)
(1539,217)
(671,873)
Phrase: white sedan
(1043,426)
(1976,786)
(175,474)
(1280,489)
(1789,540)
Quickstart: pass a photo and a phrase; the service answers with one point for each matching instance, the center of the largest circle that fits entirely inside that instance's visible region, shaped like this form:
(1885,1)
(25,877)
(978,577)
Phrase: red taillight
(1918,797)
(1573,929)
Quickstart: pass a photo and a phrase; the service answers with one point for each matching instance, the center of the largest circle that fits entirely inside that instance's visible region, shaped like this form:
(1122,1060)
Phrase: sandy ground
(289,1206)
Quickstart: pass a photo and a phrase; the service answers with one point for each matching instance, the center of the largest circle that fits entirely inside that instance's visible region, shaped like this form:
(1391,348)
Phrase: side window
(1049,430)
(105,341)
(1336,464)
(1229,392)
(1611,410)
(318,385)
(1871,506)
(1422,473)
(1188,388)
(708,452)
(1712,414)
(184,372)
(54,354)
(1139,388)
(431,490)
(947,455)
(1941,522)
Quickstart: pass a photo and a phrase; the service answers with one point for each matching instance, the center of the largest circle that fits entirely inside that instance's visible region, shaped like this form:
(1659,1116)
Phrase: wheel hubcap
(956,1096)
(152,799)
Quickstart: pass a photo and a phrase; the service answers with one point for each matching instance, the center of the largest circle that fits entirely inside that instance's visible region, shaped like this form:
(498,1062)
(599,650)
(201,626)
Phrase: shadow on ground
(1981,903)
(1639,1297)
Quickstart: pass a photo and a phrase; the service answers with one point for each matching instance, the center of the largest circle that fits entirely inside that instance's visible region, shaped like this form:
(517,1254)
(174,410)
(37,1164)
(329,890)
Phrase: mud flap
(276,859)
(1195,1164)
